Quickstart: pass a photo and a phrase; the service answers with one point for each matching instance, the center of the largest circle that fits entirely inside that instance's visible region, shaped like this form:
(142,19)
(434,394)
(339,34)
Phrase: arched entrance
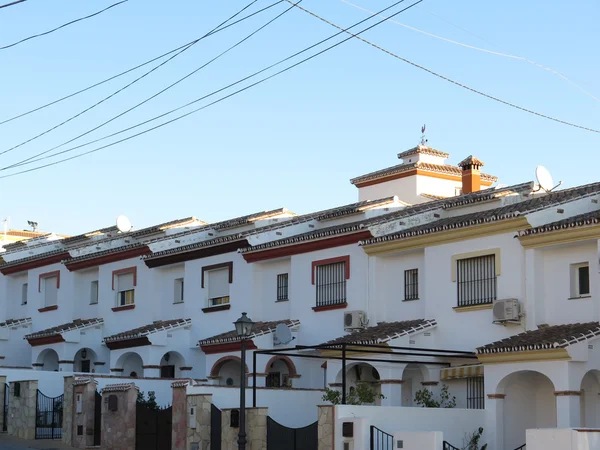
(49,359)
(412,377)
(132,365)
(529,402)
(359,373)
(280,370)
(227,371)
(590,400)
(84,360)
(170,365)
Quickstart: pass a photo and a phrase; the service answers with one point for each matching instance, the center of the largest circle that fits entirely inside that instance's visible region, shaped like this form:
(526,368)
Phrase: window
(273,380)
(331,284)
(24,294)
(94,292)
(218,287)
(178,291)
(580,280)
(125,289)
(282,287)
(475,393)
(476,280)
(50,291)
(411,284)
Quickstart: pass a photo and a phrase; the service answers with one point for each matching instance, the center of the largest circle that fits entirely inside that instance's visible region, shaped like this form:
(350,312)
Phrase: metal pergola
(375,349)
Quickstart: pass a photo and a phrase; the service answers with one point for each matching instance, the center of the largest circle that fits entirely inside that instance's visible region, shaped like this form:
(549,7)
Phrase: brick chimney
(471,177)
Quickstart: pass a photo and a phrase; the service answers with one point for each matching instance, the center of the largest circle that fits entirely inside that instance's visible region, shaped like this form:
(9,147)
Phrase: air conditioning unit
(507,310)
(355,320)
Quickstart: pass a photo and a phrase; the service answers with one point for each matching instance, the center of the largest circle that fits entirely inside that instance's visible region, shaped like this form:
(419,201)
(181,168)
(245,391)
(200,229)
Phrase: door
(167,371)
(85,366)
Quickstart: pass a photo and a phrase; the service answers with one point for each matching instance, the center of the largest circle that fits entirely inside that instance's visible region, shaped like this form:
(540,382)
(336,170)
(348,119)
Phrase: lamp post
(243,328)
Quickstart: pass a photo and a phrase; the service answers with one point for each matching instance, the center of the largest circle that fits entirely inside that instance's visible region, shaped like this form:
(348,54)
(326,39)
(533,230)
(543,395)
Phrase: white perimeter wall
(563,439)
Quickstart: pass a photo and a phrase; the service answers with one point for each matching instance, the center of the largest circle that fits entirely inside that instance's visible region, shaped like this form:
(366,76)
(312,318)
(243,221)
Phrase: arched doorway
(590,402)
(412,379)
(132,365)
(227,371)
(49,359)
(170,365)
(362,373)
(280,370)
(84,360)
(529,402)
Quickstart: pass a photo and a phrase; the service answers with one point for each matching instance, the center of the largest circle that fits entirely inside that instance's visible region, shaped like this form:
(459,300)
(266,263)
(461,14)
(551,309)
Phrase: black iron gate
(281,437)
(215,428)
(448,446)
(5,412)
(153,428)
(97,418)
(48,417)
(380,440)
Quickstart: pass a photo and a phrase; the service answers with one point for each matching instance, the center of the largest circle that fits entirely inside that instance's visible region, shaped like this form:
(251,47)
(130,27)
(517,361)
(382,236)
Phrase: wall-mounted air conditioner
(355,320)
(506,310)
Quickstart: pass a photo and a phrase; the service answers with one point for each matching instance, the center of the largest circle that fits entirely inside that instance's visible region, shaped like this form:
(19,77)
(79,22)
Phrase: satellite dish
(544,178)
(123,224)
(283,335)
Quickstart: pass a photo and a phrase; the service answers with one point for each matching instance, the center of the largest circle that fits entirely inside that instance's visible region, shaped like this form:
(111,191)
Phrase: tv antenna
(124,224)
(33,225)
(544,179)
(283,335)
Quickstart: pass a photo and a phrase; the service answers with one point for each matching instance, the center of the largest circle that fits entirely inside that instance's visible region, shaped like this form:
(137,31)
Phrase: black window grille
(475,393)
(331,284)
(411,284)
(584,280)
(282,287)
(476,280)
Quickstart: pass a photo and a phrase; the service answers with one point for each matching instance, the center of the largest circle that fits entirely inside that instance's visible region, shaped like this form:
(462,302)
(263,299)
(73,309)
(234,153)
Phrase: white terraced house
(492,291)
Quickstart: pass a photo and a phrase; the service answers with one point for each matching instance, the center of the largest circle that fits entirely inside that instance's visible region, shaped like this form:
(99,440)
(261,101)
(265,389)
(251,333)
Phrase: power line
(160,92)
(120,90)
(222,98)
(11,3)
(418,66)
(63,25)
(484,50)
(133,68)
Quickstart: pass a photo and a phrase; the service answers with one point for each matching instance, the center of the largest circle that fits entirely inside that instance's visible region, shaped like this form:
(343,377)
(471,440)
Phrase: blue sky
(296,140)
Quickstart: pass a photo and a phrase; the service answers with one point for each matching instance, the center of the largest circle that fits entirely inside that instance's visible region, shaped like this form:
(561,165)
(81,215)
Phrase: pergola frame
(376,349)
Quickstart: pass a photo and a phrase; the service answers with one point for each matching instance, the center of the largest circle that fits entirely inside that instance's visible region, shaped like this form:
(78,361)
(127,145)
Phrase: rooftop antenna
(283,335)
(423,138)
(544,179)
(124,224)
(33,225)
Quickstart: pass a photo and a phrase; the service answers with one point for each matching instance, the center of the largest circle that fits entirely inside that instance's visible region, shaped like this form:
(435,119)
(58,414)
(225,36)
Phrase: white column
(151,371)
(391,384)
(494,421)
(533,303)
(568,413)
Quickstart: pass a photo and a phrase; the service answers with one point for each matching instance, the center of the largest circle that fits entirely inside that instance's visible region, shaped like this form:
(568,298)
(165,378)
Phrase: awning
(452,373)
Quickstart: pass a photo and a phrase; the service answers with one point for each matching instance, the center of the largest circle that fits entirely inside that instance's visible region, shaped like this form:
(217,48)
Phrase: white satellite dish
(123,224)
(544,179)
(283,335)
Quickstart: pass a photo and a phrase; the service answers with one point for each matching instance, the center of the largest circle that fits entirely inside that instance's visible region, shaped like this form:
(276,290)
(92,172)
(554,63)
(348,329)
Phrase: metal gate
(5,412)
(97,419)
(48,417)
(448,446)
(215,428)
(380,440)
(153,428)
(281,437)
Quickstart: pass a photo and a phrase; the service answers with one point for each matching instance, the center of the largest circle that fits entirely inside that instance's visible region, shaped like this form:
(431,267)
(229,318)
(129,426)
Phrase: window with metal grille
(411,284)
(475,393)
(282,287)
(331,284)
(476,280)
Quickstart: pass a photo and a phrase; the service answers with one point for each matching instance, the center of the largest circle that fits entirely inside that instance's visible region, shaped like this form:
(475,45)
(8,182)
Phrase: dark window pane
(584,280)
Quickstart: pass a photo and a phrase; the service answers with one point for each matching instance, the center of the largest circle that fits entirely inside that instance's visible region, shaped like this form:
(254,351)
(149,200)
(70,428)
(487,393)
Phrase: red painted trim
(216,368)
(54,273)
(122,271)
(34,342)
(287,361)
(35,264)
(337,259)
(307,247)
(227,347)
(129,343)
(329,307)
(216,308)
(197,254)
(113,257)
(48,308)
(123,308)
(225,265)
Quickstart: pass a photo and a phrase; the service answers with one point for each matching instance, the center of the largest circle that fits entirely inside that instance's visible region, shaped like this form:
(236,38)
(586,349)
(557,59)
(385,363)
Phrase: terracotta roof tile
(384,332)
(15,322)
(470,161)
(581,220)
(154,327)
(75,325)
(545,338)
(259,329)
(424,150)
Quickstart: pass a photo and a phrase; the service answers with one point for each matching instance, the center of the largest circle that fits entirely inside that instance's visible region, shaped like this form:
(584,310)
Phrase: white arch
(589,400)
(49,359)
(175,360)
(79,360)
(132,364)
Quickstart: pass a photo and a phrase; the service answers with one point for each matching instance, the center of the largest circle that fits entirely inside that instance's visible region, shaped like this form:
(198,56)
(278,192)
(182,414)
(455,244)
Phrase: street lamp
(243,328)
